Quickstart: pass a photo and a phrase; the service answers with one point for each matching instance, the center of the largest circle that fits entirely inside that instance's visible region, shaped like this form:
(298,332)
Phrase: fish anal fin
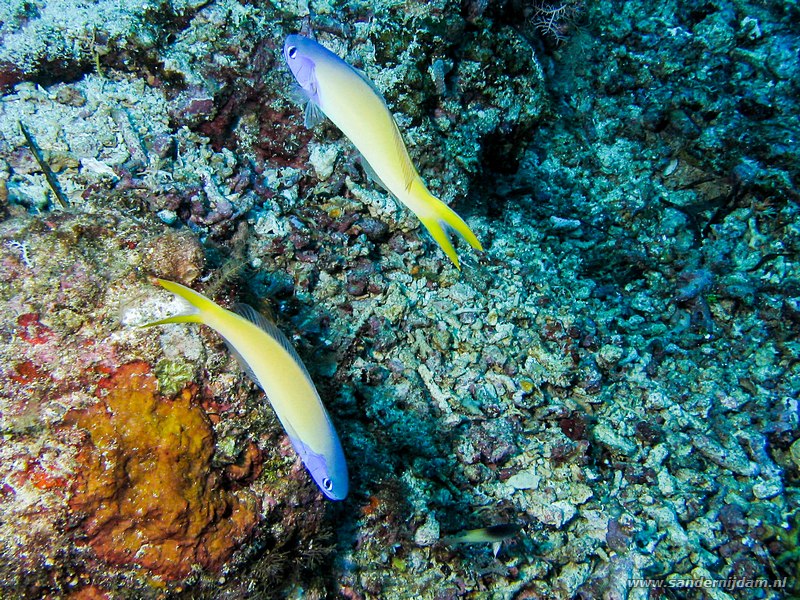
(371,173)
(243,363)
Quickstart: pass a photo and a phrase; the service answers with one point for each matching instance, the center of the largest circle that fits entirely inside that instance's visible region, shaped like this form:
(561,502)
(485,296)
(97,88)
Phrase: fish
(494,534)
(351,101)
(273,364)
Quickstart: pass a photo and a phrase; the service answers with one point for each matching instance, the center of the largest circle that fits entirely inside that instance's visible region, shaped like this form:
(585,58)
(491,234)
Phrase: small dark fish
(60,199)
(493,534)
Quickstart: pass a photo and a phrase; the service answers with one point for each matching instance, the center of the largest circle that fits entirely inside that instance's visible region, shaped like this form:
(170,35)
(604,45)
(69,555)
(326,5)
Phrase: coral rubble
(617,374)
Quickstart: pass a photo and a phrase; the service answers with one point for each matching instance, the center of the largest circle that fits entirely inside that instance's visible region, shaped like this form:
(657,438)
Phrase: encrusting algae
(146,487)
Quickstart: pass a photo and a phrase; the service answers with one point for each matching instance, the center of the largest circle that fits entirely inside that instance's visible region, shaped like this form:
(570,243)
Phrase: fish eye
(291,51)
(327,484)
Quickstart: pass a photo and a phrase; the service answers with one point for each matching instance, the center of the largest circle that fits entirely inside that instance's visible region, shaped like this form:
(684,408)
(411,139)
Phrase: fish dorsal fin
(400,147)
(369,82)
(249,313)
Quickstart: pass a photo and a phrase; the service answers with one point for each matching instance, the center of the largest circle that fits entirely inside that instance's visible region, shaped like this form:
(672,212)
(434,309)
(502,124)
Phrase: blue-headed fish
(352,102)
(271,361)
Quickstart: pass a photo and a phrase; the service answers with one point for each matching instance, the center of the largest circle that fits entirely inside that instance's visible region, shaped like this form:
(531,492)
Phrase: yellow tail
(438,218)
(194,304)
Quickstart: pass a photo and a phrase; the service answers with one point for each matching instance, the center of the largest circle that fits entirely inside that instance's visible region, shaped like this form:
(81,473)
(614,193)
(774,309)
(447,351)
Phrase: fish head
(332,485)
(329,473)
(298,51)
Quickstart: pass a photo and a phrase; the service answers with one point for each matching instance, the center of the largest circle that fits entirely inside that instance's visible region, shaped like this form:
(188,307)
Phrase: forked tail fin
(439,219)
(193,303)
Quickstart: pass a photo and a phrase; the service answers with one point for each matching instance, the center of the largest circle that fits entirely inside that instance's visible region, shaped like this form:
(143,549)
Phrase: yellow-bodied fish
(271,361)
(351,101)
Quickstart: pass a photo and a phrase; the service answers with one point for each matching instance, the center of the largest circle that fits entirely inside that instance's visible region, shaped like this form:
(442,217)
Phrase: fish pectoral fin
(298,95)
(313,115)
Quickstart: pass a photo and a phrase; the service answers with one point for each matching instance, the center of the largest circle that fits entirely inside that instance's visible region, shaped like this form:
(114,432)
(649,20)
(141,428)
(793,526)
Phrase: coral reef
(61,40)
(616,374)
(145,484)
(122,465)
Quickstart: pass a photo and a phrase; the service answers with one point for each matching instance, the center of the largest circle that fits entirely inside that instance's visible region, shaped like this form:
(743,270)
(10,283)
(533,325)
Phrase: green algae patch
(146,488)
(173,376)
